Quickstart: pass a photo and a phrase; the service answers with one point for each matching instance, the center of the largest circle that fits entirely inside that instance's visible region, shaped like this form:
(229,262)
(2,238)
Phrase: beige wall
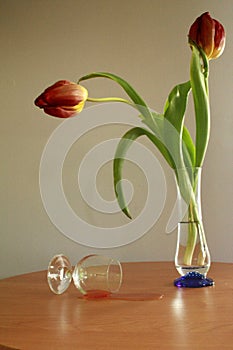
(144,41)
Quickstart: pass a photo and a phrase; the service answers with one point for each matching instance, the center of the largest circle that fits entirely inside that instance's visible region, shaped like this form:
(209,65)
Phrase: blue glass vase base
(193,280)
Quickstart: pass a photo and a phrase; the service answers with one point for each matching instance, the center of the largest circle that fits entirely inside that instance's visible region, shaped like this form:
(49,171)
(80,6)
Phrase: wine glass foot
(59,274)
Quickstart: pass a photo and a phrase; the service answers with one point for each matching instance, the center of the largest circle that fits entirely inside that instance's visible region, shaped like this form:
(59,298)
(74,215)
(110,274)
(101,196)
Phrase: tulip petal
(59,112)
(67,95)
(219,40)
(206,34)
(193,31)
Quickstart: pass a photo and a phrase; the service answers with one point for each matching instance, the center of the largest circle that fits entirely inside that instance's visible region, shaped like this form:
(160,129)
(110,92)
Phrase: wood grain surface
(32,317)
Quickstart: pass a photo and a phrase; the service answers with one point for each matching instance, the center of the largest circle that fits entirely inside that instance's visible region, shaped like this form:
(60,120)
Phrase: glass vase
(192,253)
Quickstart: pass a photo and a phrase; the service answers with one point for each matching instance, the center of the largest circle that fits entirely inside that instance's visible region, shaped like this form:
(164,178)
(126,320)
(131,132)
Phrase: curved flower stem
(137,100)
(195,227)
(199,227)
(199,70)
(110,99)
(202,253)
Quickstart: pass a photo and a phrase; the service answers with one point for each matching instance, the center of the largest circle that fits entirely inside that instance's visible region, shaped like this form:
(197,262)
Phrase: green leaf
(199,84)
(156,124)
(122,148)
(175,106)
(176,136)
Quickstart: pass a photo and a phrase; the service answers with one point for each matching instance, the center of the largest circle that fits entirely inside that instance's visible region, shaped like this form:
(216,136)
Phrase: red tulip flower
(208,34)
(63,99)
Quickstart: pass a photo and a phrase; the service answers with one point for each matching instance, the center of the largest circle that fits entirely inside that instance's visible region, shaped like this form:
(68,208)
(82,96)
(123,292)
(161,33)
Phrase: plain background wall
(145,42)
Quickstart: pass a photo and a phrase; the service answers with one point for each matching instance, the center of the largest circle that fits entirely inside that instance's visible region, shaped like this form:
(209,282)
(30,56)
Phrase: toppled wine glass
(94,276)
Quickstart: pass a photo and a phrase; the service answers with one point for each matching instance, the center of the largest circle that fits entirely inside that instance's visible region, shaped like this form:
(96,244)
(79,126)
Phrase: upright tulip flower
(63,99)
(208,34)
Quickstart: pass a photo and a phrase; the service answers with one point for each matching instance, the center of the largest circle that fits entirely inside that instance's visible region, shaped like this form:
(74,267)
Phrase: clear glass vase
(192,253)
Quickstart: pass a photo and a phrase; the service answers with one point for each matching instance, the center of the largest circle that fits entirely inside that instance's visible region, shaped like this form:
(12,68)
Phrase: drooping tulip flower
(208,34)
(63,99)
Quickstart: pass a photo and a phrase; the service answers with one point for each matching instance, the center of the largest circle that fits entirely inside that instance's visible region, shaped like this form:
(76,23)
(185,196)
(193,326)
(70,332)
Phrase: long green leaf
(156,124)
(175,106)
(176,137)
(122,148)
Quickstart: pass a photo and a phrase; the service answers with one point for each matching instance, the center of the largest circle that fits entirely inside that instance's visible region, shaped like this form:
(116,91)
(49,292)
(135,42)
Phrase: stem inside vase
(192,252)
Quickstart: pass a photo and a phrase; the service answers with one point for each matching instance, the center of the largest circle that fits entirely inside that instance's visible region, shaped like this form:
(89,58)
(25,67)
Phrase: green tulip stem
(194,226)
(109,99)
(187,181)
(192,237)
(199,71)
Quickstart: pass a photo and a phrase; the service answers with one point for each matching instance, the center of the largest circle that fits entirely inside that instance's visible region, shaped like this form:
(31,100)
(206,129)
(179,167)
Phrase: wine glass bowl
(97,274)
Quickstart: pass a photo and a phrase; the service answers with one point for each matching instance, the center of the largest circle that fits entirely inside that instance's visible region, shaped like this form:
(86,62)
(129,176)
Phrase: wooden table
(32,317)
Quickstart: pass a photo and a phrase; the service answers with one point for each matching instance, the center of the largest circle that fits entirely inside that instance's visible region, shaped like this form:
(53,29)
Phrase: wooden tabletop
(32,317)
